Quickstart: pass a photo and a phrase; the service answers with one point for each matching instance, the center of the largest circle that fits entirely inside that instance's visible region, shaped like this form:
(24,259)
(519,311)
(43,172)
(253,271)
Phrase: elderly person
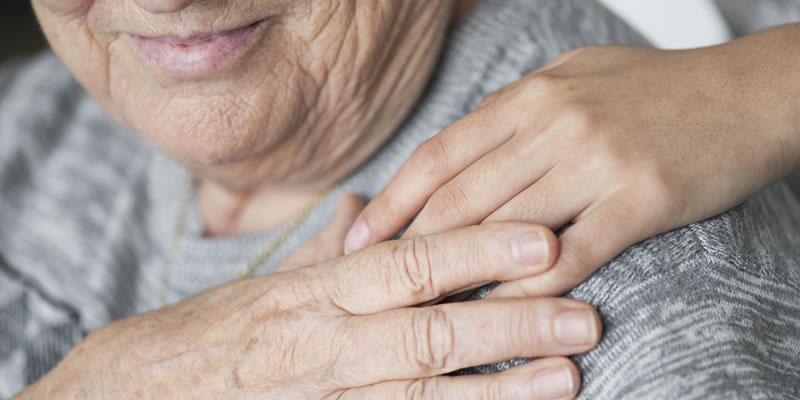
(224,279)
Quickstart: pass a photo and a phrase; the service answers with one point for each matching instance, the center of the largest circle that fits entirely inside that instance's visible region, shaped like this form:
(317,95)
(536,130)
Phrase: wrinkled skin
(582,165)
(326,84)
(311,331)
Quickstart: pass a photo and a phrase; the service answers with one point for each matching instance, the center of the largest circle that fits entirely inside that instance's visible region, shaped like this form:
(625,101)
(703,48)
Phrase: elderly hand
(348,329)
(623,143)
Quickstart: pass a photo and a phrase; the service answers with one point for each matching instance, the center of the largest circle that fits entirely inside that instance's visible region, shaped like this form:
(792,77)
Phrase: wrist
(764,72)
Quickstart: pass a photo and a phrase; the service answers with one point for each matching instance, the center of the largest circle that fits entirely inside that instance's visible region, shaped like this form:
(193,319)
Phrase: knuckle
(381,206)
(491,98)
(431,156)
(523,330)
(658,191)
(605,157)
(431,344)
(301,289)
(580,118)
(544,84)
(656,182)
(449,203)
(413,265)
(657,175)
(416,390)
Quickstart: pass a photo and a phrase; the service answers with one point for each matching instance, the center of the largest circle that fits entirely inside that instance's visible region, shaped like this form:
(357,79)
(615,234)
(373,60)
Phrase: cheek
(86,55)
(214,124)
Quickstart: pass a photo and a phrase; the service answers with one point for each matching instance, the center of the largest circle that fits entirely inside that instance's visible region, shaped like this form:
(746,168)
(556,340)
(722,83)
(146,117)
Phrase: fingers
(465,200)
(429,341)
(545,379)
(429,167)
(552,201)
(327,245)
(585,247)
(445,155)
(408,272)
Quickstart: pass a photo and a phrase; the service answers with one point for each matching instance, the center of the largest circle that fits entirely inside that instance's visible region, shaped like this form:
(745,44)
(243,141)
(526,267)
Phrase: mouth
(197,55)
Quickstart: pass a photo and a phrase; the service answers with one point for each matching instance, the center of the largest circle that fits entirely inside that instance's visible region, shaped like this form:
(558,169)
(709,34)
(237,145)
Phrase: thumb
(329,243)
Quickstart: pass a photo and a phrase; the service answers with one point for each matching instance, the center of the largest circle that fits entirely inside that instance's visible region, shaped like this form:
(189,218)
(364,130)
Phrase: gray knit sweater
(87,211)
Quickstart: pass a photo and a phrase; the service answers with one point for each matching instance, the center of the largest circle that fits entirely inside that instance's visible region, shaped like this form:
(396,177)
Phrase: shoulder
(750,247)
(719,295)
(502,40)
(747,16)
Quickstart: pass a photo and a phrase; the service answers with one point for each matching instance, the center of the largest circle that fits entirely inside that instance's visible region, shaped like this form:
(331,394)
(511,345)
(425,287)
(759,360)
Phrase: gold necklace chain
(263,255)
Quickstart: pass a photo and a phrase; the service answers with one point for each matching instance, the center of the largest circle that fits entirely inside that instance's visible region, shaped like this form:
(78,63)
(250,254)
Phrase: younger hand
(624,143)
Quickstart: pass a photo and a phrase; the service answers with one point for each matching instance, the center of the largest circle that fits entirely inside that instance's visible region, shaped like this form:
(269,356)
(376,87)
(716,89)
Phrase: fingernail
(357,237)
(552,383)
(576,327)
(530,249)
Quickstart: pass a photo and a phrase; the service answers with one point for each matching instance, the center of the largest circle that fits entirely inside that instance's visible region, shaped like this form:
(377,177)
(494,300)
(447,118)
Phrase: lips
(197,55)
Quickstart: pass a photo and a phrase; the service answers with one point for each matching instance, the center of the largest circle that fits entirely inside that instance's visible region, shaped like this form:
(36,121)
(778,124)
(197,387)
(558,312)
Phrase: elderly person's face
(252,91)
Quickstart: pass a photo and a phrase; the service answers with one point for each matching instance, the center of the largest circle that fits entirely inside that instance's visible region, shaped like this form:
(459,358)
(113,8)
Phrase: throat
(228,213)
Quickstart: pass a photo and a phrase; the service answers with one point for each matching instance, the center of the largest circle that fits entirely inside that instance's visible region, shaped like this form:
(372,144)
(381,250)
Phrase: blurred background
(18,24)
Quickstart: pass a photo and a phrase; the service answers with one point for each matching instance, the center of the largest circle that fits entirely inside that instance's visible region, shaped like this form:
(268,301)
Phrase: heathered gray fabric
(87,210)
(747,16)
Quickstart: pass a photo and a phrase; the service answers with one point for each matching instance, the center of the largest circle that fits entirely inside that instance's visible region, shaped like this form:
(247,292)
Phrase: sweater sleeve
(748,16)
(707,311)
(36,330)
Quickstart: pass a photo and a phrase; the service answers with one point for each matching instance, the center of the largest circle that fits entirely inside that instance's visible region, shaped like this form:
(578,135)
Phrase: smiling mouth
(197,55)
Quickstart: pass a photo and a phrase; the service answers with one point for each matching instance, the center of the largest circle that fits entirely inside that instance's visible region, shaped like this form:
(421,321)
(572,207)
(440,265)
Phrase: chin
(214,128)
(212,139)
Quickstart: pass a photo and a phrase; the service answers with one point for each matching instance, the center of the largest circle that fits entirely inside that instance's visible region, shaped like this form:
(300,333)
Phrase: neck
(230,213)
